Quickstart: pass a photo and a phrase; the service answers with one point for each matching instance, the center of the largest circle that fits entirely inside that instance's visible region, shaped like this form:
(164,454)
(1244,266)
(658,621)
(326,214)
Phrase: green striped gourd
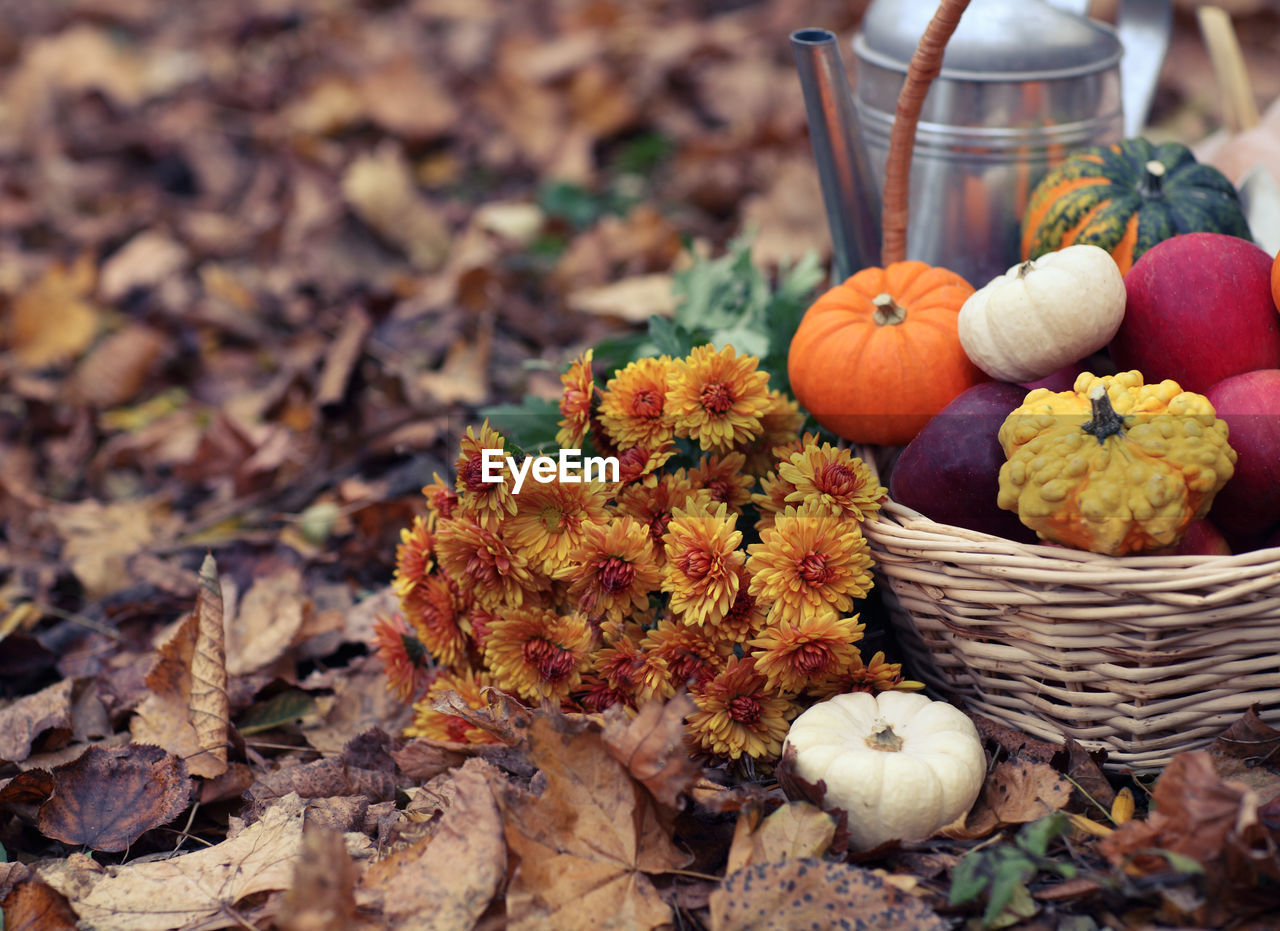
(1127,197)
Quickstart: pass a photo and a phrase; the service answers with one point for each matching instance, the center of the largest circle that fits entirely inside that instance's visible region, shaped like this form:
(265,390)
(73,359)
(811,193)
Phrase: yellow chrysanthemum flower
(652,500)
(737,714)
(551,520)
(613,571)
(677,655)
(538,654)
(632,407)
(637,462)
(404,658)
(722,476)
(413,557)
(575,402)
(717,398)
(433,609)
(793,654)
(484,565)
(827,478)
(437,725)
(486,502)
(442,500)
(701,570)
(875,676)
(745,617)
(809,563)
(779,424)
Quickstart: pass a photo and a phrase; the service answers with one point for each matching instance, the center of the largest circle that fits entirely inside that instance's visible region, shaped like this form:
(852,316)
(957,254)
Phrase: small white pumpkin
(1043,314)
(902,766)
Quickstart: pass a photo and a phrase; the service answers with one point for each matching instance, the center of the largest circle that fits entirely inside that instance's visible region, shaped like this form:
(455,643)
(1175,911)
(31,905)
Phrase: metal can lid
(996,40)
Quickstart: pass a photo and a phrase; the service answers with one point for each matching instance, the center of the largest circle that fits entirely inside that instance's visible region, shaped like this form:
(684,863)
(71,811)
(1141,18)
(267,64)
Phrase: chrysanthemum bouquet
(713,549)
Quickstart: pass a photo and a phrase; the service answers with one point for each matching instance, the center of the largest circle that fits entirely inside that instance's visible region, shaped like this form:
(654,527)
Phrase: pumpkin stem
(1106,422)
(1025,267)
(883,738)
(888,311)
(1152,179)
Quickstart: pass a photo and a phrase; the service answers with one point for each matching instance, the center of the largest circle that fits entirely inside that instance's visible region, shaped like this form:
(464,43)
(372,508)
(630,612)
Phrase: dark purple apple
(1201,539)
(1198,309)
(949,471)
(1249,504)
(1064,379)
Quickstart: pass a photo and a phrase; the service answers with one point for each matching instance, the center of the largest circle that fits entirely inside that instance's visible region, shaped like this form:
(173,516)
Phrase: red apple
(1249,504)
(1201,539)
(950,471)
(1198,310)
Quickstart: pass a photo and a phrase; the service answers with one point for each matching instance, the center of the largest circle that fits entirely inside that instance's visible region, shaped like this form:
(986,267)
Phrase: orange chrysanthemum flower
(677,655)
(717,398)
(722,476)
(632,408)
(413,557)
(438,725)
(538,654)
(433,608)
(575,402)
(780,423)
(476,623)
(551,520)
(613,571)
(487,502)
(809,563)
(652,501)
(737,714)
(404,658)
(794,654)
(485,567)
(638,461)
(770,500)
(827,478)
(701,570)
(875,676)
(621,669)
(745,617)
(442,500)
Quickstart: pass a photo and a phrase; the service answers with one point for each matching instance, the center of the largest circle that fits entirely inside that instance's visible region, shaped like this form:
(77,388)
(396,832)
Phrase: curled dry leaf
(187,709)
(1016,792)
(807,892)
(29,717)
(107,799)
(189,889)
(448,879)
(583,847)
(651,746)
(322,894)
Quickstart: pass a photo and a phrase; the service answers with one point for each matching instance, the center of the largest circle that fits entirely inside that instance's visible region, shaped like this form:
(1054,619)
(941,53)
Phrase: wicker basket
(1142,656)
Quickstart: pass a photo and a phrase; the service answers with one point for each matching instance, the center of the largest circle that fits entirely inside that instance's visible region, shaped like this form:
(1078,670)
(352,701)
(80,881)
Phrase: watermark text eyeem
(569,466)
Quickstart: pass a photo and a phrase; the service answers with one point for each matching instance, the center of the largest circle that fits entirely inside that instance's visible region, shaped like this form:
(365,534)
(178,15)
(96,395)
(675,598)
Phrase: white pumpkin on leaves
(1043,314)
(900,765)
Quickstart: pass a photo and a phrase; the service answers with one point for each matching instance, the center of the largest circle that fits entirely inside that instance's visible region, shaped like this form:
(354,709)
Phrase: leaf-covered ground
(260,265)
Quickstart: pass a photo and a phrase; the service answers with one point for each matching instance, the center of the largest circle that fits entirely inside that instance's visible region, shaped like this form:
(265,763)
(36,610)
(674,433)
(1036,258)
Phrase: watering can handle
(1144,27)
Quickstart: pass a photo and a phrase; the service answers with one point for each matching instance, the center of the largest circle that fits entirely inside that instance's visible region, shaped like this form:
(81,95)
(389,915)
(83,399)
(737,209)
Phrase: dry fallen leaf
(107,799)
(322,894)
(379,187)
(582,848)
(266,620)
(143,262)
(634,299)
(464,374)
(186,710)
(1016,792)
(35,906)
(54,319)
(448,879)
(99,538)
(806,892)
(189,889)
(117,368)
(651,746)
(796,829)
(28,717)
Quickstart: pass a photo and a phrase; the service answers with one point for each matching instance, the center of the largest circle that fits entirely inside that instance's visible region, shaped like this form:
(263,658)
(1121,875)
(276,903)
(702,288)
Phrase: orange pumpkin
(876,357)
(1275,281)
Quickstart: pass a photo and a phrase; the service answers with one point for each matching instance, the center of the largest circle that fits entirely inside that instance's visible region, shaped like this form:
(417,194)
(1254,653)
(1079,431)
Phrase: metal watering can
(1023,83)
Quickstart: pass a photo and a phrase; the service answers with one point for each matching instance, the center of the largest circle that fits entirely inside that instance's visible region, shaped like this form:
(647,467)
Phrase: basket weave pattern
(1143,656)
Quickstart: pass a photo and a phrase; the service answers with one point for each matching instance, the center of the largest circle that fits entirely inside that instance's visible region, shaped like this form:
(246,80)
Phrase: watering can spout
(850,194)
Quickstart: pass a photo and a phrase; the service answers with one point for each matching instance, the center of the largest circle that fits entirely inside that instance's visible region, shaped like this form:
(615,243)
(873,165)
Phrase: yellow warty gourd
(1113,466)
